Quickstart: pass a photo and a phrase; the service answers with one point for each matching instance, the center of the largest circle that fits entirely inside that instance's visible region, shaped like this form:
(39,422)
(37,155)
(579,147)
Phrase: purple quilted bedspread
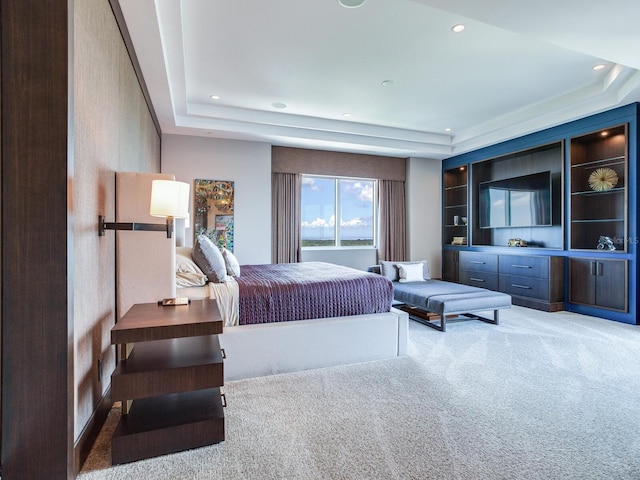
(299,291)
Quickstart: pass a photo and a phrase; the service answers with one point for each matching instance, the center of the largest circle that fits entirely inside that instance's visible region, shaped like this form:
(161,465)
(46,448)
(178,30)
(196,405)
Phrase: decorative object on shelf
(459,241)
(605,243)
(456,220)
(516,242)
(463,220)
(603,179)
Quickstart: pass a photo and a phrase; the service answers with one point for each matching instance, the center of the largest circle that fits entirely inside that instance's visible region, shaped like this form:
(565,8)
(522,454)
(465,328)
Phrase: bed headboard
(145,261)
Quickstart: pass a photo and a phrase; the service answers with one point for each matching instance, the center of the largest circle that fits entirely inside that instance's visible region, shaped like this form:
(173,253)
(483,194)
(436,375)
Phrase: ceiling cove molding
(293,133)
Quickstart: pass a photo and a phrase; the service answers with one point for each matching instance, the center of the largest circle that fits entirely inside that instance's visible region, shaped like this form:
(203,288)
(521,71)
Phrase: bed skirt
(272,348)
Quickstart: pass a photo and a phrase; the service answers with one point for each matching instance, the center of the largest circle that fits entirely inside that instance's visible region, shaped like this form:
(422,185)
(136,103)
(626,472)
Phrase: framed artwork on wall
(213,211)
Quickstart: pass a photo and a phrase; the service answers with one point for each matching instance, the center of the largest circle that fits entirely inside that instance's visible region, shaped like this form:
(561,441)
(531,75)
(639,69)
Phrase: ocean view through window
(338,212)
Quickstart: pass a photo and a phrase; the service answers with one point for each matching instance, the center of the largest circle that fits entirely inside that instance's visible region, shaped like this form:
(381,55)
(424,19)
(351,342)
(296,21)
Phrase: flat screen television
(516,202)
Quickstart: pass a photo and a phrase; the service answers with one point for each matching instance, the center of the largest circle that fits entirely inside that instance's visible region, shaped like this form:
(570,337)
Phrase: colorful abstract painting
(213,211)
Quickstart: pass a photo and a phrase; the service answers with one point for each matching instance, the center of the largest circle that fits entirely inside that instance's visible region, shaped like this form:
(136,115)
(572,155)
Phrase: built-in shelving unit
(598,190)
(455,206)
(581,254)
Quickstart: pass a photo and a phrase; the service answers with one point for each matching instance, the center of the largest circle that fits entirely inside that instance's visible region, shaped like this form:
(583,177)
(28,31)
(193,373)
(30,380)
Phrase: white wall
(248,164)
(359,258)
(424,212)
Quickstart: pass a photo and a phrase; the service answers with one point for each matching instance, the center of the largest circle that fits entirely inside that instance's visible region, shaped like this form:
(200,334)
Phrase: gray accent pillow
(230,260)
(390,269)
(208,257)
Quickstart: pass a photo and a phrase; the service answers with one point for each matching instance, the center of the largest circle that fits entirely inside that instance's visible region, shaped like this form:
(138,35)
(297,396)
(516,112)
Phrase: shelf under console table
(168,380)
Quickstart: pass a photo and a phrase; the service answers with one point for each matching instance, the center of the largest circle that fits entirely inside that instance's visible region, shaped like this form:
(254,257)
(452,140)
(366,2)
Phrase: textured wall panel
(114,131)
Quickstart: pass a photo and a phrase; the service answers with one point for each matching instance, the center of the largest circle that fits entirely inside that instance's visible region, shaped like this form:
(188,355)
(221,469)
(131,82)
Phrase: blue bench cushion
(446,297)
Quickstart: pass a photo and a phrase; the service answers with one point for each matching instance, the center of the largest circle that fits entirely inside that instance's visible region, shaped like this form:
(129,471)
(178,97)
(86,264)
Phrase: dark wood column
(36,177)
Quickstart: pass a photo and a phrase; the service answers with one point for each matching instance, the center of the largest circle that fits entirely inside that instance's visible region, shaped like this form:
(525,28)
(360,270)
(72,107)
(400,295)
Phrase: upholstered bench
(447,299)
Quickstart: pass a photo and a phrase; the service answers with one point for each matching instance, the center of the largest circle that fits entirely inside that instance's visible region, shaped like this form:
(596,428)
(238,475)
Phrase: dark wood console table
(168,380)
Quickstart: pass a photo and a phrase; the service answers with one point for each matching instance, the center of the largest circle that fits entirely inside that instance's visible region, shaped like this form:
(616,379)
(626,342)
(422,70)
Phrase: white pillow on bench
(411,272)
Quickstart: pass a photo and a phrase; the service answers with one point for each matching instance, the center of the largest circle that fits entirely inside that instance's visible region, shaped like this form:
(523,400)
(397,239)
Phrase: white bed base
(271,348)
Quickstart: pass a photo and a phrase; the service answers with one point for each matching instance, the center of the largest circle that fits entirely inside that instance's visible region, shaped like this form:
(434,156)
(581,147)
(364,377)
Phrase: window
(338,212)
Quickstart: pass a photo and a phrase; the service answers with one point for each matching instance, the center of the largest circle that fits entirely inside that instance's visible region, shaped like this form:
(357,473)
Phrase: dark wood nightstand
(168,381)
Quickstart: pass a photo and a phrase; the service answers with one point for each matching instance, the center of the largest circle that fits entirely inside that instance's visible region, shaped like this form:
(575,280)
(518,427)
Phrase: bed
(288,317)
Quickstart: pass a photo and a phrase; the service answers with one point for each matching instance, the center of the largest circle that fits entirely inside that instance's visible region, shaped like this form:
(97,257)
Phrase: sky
(318,199)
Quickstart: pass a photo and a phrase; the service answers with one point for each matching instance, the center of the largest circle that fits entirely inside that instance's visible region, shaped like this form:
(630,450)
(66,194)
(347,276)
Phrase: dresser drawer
(479,261)
(479,279)
(537,288)
(524,266)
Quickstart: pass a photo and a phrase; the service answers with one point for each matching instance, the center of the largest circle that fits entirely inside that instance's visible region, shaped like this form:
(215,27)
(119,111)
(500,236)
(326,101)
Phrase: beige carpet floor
(540,396)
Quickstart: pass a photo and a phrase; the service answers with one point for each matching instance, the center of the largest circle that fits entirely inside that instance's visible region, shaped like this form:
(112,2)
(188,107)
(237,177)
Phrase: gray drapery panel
(392,215)
(285,217)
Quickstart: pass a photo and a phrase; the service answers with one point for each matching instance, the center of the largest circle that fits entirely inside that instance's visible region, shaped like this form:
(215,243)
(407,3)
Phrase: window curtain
(392,214)
(285,217)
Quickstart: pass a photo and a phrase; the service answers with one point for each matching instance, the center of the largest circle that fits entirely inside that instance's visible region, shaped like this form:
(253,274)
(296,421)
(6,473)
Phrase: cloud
(354,222)
(321,222)
(363,191)
(310,183)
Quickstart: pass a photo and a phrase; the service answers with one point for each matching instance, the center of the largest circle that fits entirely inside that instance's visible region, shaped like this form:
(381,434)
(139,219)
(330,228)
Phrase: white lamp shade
(169,199)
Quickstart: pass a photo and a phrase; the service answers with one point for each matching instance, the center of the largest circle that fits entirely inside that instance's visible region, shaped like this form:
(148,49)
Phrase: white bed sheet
(226,294)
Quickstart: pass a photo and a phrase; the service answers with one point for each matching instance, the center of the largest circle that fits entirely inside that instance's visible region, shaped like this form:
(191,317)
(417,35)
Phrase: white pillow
(190,279)
(184,262)
(411,272)
(230,260)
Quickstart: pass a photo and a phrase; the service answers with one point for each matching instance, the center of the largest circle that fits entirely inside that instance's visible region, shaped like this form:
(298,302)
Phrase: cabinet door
(450,265)
(598,282)
(611,284)
(582,281)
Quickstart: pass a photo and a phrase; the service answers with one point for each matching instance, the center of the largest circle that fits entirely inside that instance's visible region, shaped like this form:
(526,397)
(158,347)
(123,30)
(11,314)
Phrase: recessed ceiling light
(279,105)
(604,134)
(214,97)
(600,66)
(448,129)
(387,83)
(351,3)
(346,114)
(458,28)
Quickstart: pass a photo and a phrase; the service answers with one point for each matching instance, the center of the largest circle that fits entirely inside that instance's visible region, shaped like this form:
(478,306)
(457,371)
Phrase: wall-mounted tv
(516,202)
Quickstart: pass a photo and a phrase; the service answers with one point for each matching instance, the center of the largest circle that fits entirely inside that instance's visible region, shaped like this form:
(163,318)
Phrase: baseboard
(91,430)
(537,304)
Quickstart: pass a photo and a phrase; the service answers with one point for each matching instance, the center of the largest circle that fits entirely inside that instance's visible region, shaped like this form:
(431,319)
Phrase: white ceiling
(518,67)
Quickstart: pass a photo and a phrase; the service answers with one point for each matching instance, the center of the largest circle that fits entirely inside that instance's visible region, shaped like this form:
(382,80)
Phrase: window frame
(338,216)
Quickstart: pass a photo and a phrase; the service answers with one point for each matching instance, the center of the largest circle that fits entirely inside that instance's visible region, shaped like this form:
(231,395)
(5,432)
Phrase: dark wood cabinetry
(585,259)
(455,206)
(534,281)
(518,195)
(479,269)
(598,282)
(598,190)
(169,380)
(450,260)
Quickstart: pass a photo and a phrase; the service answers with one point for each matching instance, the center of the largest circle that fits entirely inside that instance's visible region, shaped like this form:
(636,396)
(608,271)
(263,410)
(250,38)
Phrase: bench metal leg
(494,321)
(442,324)
(442,327)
